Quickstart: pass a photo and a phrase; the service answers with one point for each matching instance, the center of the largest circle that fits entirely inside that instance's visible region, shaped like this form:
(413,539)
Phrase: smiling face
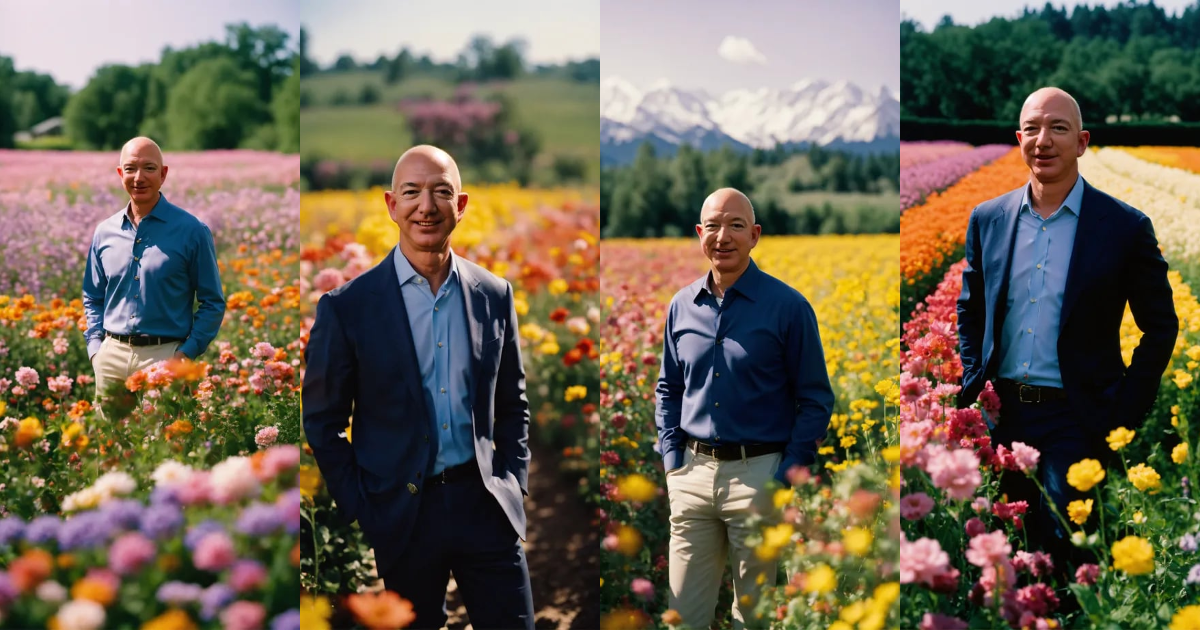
(1051,136)
(425,200)
(142,171)
(727,231)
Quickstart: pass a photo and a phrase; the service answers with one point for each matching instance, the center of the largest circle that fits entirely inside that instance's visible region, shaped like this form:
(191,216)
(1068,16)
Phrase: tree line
(240,93)
(1129,62)
(662,196)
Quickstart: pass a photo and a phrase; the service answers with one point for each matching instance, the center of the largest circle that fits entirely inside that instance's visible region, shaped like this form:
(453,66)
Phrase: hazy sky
(930,12)
(682,41)
(69,39)
(555,31)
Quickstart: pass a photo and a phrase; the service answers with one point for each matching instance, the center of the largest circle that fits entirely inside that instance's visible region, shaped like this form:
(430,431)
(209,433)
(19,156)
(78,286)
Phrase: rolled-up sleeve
(95,283)
(206,278)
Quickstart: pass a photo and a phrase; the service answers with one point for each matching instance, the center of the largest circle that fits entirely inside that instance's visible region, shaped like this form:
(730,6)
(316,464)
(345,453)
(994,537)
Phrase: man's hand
(180,355)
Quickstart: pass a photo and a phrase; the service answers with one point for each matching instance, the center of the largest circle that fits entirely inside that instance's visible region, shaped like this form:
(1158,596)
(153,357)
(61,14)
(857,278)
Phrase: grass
(359,133)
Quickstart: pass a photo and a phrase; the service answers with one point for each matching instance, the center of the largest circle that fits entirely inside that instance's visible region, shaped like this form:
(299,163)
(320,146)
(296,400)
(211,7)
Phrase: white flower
(51,591)
(233,479)
(80,614)
(171,473)
(115,483)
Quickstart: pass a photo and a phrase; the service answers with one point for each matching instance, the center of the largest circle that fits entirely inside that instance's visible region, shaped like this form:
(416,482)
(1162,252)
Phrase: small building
(48,127)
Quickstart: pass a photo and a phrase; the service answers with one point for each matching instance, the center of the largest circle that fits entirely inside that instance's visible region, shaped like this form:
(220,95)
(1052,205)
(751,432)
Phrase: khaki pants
(710,503)
(116,361)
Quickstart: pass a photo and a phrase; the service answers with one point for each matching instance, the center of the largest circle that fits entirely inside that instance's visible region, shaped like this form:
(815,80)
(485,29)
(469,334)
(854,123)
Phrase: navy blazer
(361,361)
(1115,260)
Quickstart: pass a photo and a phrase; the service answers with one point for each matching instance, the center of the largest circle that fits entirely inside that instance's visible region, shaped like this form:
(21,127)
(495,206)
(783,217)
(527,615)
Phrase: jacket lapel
(404,350)
(476,309)
(1085,248)
(1003,236)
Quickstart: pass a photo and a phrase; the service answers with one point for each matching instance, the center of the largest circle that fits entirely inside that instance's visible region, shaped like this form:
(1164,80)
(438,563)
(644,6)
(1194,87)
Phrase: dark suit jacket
(361,361)
(1115,259)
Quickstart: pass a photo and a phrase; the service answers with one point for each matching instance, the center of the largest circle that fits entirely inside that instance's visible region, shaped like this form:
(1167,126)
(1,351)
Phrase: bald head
(729,200)
(142,148)
(426,154)
(1039,99)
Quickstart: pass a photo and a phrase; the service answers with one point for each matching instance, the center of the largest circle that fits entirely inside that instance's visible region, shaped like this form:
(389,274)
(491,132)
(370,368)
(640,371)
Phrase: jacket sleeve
(511,428)
(972,314)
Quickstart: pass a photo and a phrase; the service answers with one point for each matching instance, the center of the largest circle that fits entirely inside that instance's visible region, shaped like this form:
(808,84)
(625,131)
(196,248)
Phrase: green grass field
(565,115)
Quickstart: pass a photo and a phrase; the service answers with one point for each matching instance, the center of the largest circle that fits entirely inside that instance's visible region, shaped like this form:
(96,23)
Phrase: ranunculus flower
(915,506)
(1079,511)
(1026,457)
(130,552)
(955,472)
(214,552)
(1085,474)
(1133,555)
(643,588)
(1119,438)
(1087,574)
(988,549)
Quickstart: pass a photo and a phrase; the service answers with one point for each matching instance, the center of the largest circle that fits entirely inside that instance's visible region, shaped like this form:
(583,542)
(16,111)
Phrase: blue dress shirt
(439,330)
(748,371)
(1037,280)
(145,280)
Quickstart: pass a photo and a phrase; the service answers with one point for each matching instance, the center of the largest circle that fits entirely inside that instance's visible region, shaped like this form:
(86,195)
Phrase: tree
(307,66)
(689,186)
(108,111)
(213,106)
(8,124)
(263,52)
(344,63)
(398,68)
(286,108)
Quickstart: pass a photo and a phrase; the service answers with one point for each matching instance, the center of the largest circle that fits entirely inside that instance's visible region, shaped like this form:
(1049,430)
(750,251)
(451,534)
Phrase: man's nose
(425,201)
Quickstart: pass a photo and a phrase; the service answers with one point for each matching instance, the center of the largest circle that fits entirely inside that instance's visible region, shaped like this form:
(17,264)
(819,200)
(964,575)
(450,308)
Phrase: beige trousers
(116,361)
(711,501)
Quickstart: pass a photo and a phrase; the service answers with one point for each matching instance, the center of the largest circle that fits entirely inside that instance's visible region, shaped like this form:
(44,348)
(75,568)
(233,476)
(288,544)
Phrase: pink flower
(1087,574)
(997,578)
(328,280)
(247,575)
(975,527)
(263,350)
(266,436)
(643,588)
(130,552)
(981,504)
(955,472)
(1038,599)
(278,459)
(195,488)
(915,506)
(243,615)
(989,400)
(1037,563)
(1026,457)
(934,621)
(610,542)
(922,561)
(61,345)
(27,377)
(60,384)
(214,552)
(988,549)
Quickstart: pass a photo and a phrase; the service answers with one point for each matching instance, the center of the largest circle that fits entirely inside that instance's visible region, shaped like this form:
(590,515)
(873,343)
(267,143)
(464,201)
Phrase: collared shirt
(144,280)
(1041,258)
(439,330)
(748,371)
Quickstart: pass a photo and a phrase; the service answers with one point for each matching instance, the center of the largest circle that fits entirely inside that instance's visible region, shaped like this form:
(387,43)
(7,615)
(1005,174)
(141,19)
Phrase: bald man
(743,396)
(148,266)
(423,350)
(1050,268)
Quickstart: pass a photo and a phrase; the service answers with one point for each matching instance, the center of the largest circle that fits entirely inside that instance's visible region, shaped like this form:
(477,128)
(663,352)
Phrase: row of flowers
(918,181)
(1186,158)
(914,153)
(834,531)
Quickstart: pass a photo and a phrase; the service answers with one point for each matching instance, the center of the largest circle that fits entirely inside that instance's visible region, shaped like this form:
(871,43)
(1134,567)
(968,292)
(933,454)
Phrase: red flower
(559,315)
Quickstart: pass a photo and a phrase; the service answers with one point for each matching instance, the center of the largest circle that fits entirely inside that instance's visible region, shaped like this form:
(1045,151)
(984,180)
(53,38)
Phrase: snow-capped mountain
(809,112)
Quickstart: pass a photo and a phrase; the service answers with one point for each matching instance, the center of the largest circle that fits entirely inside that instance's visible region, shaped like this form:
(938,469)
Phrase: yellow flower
(522,307)
(840,625)
(532,332)
(1145,478)
(1119,438)
(774,538)
(1179,454)
(349,428)
(887,593)
(309,480)
(3,407)
(29,430)
(849,441)
(1139,518)
(575,392)
(857,540)
(173,619)
(1193,353)
(315,612)
(550,347)
(638,488)
(1079,511)
(1186,618)
(558,286)
(1085,474)
(820,580)
(1182,379)
(784,497)
(1133,555)
(891,454)
(629,541)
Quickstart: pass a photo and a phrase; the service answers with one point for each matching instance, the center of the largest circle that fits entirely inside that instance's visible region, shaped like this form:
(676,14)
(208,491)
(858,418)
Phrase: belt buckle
(1021,387)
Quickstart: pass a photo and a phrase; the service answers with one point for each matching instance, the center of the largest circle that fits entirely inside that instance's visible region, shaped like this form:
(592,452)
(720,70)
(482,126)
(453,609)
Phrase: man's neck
(138,212)
(720,282)
(433,266)
(1047,197)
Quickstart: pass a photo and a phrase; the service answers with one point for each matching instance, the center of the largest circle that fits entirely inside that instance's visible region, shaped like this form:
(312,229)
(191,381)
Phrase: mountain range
(836,115)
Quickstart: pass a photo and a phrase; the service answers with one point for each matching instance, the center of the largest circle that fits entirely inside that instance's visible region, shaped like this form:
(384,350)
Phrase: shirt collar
(405,272)
(162,210)
(1072,203)
(747,285)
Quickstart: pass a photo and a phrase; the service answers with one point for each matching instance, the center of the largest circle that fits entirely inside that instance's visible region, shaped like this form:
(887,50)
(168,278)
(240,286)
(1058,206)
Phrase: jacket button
(412,488)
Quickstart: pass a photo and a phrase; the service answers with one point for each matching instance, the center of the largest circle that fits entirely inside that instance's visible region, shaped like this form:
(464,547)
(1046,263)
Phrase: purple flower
(289,620)
(1193,575)
(8,592)
(123,513)
(1188,542)
(42,529)
(178,593)
(214,599)
(161,520)
(164,495)
(259,519)
(198,531)
(87,530)
(289,507)
(247,575)
(10,530)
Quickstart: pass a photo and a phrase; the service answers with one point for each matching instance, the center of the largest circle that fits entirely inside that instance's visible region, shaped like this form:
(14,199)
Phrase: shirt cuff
(673,459)
(93,346)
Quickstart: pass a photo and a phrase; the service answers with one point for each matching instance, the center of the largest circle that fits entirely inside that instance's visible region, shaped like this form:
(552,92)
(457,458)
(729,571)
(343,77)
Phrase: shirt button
(435,309)
(136,278)
(1031,300)
(1030,331)
(136,258)
(443,390)
(139,240)
(718,375)
(1026,364)
(717,439)
(718,404)
(1039,266)
(1043,228)
(719,340)
(445,426)
(439,344)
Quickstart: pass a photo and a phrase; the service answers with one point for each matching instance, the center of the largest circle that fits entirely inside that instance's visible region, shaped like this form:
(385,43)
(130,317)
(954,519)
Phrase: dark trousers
(461,529)
(1063,439)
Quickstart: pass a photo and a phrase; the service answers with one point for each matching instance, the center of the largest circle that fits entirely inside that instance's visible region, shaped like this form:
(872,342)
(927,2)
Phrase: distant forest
(1130,62)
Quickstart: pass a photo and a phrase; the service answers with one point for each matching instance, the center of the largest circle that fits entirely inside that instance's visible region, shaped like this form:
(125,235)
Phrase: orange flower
(173,619)
(559,315)
(380,610)
(98,591)
(177,428)
(134,383)
(187,369)
(78,410)
(28,430)
(572,356)
(31,569)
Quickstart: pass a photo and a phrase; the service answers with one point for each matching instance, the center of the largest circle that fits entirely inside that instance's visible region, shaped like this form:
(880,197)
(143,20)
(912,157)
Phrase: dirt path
(562,549)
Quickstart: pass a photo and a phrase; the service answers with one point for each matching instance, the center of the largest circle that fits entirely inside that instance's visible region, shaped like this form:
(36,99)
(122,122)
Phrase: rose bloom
(934,621)
(380,610)
(915,506)
(956,472)
(975,527)
(1026,456)
(922,561)
(214,552)
(643,588)
(266,436)
(988,549)
(328,280)
(27,377)
(129,553)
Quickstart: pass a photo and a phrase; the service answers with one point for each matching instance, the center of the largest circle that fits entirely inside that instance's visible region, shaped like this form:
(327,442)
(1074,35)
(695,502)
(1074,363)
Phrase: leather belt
(143,340)
(726,452)
(455,474)
(1029,394)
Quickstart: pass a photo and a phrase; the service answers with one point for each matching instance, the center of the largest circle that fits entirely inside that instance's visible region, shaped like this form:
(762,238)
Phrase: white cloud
(740,50)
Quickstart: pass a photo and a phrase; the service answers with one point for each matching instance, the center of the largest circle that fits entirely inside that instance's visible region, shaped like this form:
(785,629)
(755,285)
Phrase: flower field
(963,560)
(835,531)
(544,243)
(180,510)
(928,167)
